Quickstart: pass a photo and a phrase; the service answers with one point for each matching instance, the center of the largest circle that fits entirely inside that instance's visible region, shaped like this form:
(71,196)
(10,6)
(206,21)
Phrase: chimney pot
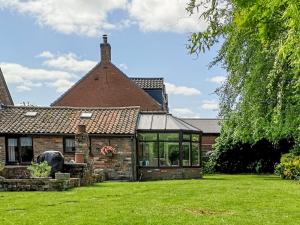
(105,50)
(105,38)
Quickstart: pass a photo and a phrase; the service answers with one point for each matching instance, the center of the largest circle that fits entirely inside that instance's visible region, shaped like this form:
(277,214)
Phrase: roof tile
(64,120)
(149,83)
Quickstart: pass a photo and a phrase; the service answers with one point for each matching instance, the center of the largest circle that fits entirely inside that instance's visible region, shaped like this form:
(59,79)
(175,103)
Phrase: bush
(209,163)
(289,167)
(39,169)
(260,157)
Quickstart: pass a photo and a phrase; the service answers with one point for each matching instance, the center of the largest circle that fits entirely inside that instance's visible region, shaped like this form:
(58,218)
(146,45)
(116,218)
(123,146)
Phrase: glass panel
(12,144)
(147,137)
(186,137)
(148,154)
(169,154)
(195,154)
(186,154)
(26,149)
(69,145)
(169,136)
(195,137)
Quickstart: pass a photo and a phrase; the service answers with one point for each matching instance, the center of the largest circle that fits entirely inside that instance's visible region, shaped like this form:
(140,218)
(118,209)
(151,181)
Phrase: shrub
(260,157)
(209,163)
(39,169)
(289,167)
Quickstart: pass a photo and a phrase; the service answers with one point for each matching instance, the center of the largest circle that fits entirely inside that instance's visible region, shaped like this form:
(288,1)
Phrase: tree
(261,54)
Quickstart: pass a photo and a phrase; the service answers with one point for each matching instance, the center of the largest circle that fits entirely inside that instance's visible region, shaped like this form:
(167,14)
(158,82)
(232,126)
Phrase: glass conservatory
(166,143)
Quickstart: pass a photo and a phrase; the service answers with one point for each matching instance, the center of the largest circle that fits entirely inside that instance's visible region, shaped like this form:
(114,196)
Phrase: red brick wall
(120,165)
(107,86)
(46,143)
(207,141)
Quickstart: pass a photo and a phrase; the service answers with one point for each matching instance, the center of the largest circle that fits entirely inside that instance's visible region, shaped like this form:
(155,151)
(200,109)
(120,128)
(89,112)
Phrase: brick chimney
(105,50)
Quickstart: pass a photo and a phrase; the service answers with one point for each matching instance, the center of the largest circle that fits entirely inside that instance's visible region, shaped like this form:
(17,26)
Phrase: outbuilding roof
(149,83)
(5,97)
(64,120)
(210,126)
(163,122)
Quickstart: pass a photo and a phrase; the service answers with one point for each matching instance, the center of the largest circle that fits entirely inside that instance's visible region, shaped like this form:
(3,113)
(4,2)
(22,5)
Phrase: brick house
(148,145)
(130,114)
(25,132)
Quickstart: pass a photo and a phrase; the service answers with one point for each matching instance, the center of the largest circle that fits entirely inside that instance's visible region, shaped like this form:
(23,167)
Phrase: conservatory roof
(163,122)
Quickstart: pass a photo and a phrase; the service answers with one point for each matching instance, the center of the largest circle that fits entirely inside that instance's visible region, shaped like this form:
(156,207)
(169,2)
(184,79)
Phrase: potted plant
(108,151)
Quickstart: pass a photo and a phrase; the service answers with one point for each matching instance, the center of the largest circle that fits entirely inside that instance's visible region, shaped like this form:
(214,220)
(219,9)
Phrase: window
(169,154)
(186,150)
(26,150)
(30,114)
(12,147)
(69,145)
(19,150)
(86,115)
(195,154)
(169,136)
(168,149)
(148,154)
(148,137)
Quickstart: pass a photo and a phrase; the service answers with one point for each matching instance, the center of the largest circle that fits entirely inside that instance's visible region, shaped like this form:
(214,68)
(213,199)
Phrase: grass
(217,199)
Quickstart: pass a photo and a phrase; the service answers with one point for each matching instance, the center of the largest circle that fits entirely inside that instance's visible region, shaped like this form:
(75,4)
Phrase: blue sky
(48,45)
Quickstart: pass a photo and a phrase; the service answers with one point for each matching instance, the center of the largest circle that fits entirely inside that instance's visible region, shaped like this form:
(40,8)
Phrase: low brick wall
(83,171)
(38,184)
(169,173)
(15,172)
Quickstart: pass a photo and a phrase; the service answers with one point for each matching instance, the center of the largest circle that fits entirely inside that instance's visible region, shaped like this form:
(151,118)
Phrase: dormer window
(86,115)
(31,114)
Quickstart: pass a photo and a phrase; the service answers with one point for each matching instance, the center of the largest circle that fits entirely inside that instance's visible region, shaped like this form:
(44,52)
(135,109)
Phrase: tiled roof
(149,83)
(166,122)
(210,126)
(64,120)
(5,97)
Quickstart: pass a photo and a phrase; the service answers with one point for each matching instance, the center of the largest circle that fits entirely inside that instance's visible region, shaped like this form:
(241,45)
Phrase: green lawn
(218,199)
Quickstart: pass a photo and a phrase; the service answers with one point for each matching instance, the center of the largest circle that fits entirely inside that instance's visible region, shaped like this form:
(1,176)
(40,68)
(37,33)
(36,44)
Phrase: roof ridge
(75,84)
(185,123)
(71,107)
(148,78)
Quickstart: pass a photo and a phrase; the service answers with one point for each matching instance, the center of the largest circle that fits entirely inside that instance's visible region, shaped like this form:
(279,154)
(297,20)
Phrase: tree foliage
(261,54)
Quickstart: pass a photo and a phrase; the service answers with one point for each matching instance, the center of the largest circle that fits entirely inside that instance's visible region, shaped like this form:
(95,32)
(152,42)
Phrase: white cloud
(26,78)
(210,105)
(61,85)
(123,66)
(91,17)
(165,15)
(217,79)
(181,90)
(68,62)
(21,88)
(85,17)
(46,54)
(184,113)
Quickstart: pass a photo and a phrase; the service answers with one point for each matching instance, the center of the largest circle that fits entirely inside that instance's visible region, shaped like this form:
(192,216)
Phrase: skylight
(31,114)
(86,115)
